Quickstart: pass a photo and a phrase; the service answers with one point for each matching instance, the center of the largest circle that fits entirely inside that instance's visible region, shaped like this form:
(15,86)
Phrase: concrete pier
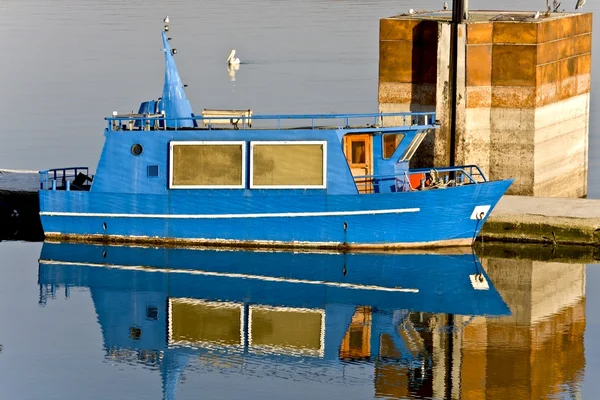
(522,93)
(544,220)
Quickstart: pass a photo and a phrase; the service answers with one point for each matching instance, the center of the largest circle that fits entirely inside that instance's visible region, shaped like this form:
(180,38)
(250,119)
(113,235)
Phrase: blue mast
(174,102)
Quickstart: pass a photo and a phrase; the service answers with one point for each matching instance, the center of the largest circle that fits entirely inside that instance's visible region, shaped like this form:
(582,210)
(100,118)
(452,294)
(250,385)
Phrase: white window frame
(291,143)
(207,142)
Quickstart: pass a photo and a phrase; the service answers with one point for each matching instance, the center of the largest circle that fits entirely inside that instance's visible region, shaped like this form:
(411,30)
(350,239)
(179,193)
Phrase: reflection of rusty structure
(356,344)
(537,352)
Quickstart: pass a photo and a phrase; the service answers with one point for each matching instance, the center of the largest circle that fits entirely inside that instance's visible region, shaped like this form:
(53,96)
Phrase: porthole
(137,149)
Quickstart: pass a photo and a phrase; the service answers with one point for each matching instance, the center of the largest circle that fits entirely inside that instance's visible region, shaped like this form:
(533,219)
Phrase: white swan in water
(232,60)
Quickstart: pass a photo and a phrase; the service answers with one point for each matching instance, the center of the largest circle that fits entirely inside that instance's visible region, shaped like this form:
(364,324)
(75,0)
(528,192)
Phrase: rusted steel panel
(546,52)
(515,33)
(479,33)
(397,29)
(547,73)
(583,23)
(582,44)
(513,65)
(396,61)
(565,48)
(565,27)
(479,65)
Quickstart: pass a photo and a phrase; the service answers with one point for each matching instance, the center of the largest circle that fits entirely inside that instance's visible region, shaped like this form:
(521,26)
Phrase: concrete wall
(411,74)
(522,94)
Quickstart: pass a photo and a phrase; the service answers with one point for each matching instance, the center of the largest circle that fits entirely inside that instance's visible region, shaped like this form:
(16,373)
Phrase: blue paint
(174,102)
(122,296)
(133,206)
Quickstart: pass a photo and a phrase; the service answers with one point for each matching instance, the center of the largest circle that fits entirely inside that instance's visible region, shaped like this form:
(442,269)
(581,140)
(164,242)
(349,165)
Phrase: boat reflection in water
(244,312)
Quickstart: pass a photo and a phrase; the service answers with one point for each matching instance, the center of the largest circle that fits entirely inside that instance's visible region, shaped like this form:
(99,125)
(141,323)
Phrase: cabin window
(391,141)
(208,165)
(288,165)
(413,146)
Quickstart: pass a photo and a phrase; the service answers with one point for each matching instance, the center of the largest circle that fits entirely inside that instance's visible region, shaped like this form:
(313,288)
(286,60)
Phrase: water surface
(118,322)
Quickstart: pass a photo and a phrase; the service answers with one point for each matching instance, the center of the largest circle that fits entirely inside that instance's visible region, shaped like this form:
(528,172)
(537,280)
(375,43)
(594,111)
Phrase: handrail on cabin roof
(422,120)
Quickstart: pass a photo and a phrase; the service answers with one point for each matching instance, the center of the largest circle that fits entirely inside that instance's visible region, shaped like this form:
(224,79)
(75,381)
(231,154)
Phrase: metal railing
(431,178)
(60,178)
(406,120)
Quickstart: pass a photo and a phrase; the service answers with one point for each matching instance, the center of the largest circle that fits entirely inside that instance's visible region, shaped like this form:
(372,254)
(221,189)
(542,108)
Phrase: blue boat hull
(429,218)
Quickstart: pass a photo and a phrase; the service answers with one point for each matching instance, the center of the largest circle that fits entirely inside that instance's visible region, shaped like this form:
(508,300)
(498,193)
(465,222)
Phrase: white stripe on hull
(226,216)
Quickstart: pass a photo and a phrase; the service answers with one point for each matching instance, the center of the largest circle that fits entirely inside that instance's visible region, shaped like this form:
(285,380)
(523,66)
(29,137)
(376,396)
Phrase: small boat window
(288,165)
(207,165)
(358,152)
(137,149)
(391,141)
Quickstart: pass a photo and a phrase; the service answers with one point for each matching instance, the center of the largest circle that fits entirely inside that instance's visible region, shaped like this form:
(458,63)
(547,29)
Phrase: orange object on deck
(415,180)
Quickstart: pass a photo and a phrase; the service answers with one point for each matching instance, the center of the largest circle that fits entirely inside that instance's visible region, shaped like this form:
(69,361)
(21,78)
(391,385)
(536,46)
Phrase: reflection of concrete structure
(539,348)
(536,352)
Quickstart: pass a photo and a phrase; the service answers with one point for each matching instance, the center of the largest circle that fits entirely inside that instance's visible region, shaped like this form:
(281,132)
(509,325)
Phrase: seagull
(445,5)
(411,11)
(166,20)
(555,5)
(579,4)
(537,15)
(232,60)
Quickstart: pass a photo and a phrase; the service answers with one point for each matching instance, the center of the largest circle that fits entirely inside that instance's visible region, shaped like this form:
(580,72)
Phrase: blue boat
(230,177)
(302,315)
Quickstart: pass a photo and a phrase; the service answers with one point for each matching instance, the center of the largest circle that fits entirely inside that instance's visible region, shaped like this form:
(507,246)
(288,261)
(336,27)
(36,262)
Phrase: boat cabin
(165,146)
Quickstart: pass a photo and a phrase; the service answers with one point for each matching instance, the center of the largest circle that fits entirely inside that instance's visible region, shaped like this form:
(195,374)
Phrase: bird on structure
(555,5)
(445,5)
(232,59)
(579,4)
(537,15)
(411,11)
(166,20)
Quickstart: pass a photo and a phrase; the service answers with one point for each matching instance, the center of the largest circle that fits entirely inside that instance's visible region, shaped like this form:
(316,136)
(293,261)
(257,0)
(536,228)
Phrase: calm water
(73,327)
(102,322)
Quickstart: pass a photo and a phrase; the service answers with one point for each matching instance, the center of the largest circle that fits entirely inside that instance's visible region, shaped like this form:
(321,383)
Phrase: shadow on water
(435,325)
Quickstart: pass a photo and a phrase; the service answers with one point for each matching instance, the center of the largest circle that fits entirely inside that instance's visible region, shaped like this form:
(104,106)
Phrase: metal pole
(459,12)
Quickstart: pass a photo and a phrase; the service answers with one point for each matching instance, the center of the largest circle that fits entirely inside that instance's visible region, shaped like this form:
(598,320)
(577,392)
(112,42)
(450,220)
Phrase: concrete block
(522,93)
